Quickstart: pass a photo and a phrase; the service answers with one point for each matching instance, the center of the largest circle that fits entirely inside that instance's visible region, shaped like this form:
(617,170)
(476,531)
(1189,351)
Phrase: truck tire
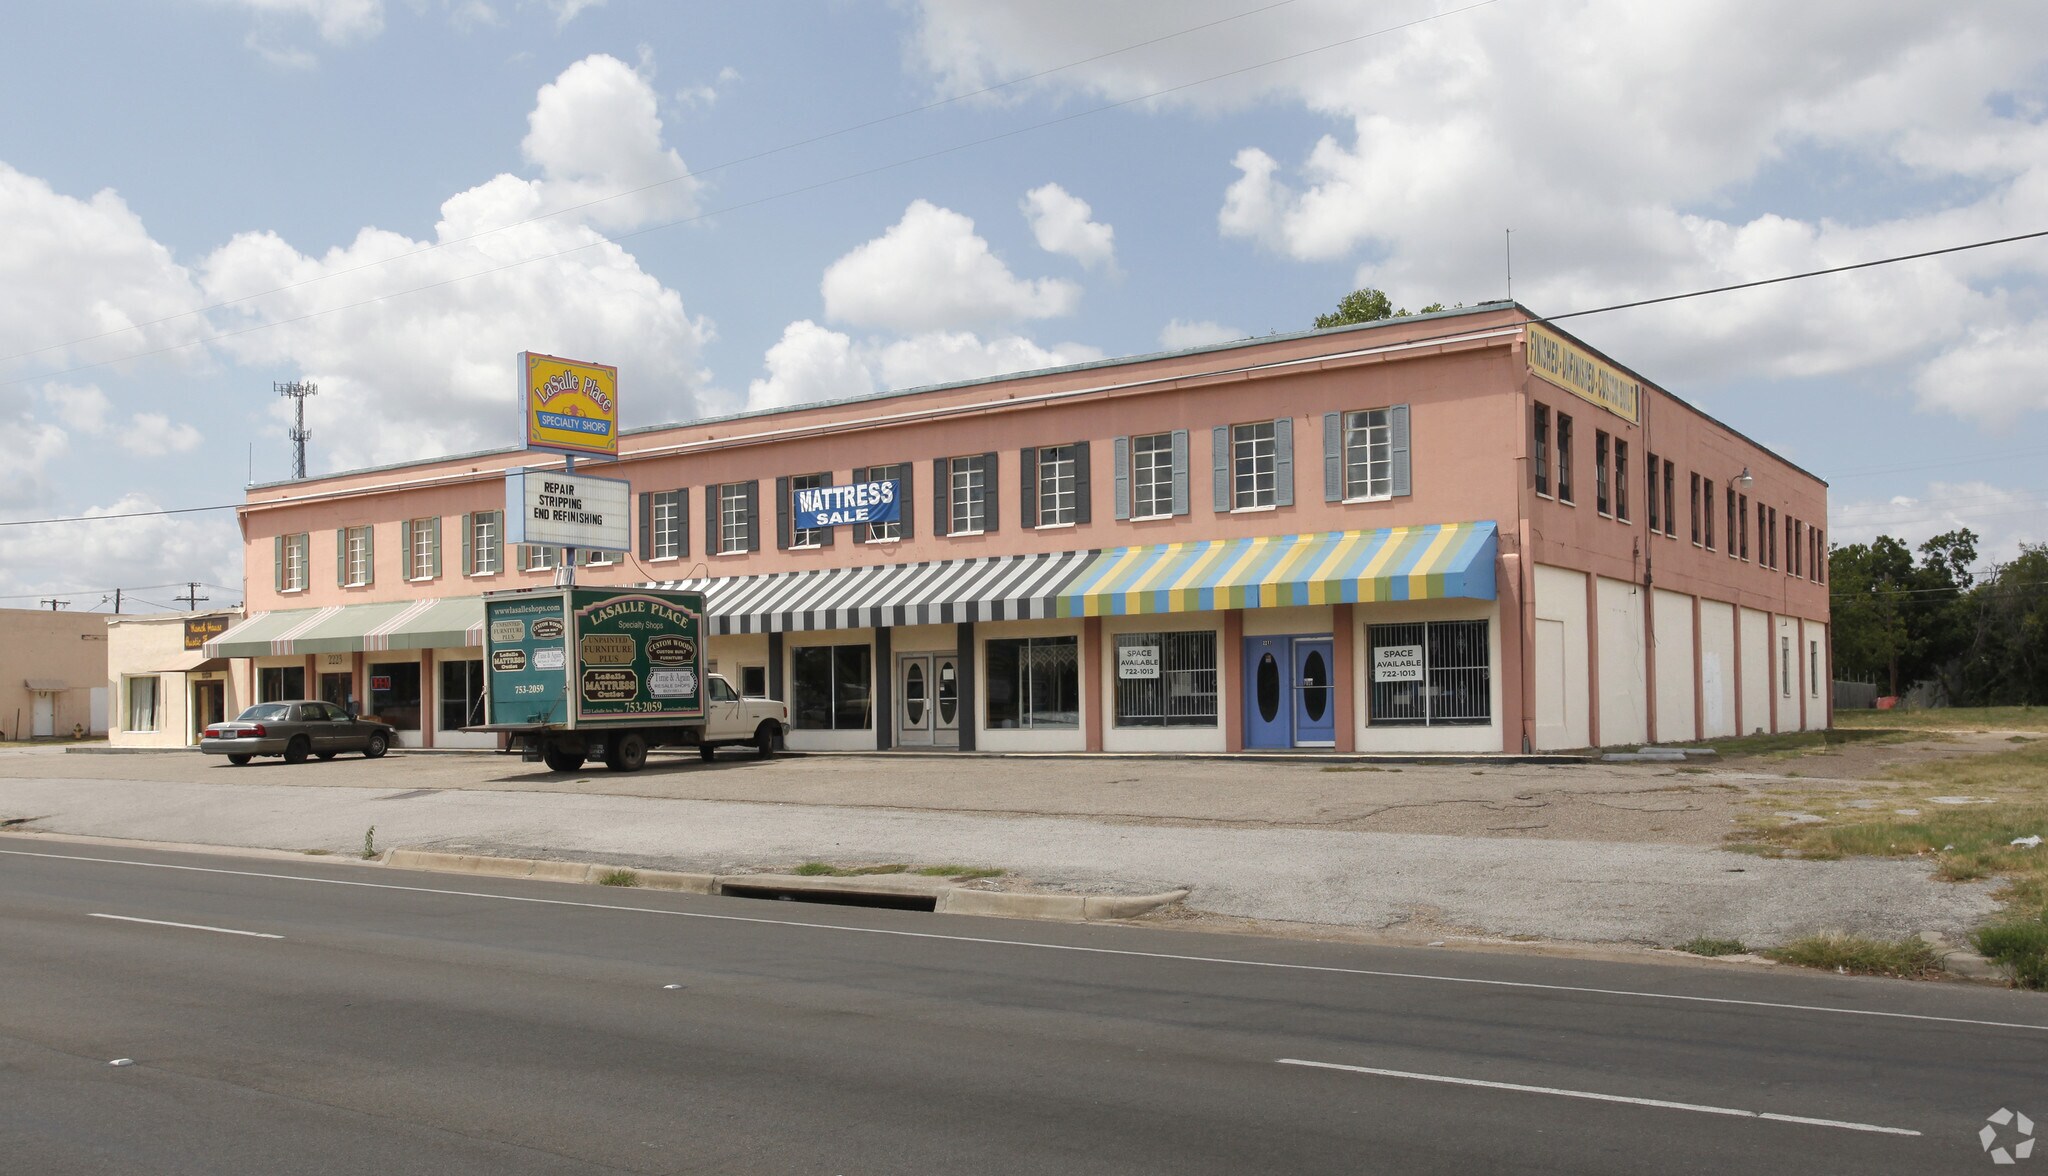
(627,753)
(559,760)
(764,740)
(708,751)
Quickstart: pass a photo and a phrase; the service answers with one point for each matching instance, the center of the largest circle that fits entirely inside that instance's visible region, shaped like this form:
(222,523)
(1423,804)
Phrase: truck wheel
(708,751)
(764,740)
(559,760)
(627,753)
(297,750)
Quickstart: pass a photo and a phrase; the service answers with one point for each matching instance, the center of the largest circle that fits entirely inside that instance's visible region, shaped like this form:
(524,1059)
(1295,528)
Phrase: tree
(1370,306)
(1903,620)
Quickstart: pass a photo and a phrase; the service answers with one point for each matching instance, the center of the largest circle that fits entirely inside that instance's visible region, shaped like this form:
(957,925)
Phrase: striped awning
(1331,567)
(440,623)
(940,592)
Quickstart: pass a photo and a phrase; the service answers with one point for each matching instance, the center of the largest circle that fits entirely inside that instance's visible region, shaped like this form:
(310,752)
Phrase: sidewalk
(1236,860)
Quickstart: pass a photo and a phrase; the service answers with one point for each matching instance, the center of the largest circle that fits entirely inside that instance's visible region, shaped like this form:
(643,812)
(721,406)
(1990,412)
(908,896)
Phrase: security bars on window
(1456,686)
(1184,693)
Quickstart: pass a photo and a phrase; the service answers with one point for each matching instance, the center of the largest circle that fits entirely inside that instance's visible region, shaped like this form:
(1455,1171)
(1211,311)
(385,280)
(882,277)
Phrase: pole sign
(569,406)
(837,506)
(553,509)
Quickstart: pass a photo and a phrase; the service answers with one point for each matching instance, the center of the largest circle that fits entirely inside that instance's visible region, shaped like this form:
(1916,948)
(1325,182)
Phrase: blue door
(1315,699)
(1268,696)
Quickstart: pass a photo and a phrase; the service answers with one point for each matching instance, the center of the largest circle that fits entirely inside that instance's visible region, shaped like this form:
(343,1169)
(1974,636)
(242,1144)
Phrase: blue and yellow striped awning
(1436,562)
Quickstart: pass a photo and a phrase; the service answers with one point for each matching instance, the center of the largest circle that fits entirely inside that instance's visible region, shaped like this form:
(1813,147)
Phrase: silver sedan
(295,730)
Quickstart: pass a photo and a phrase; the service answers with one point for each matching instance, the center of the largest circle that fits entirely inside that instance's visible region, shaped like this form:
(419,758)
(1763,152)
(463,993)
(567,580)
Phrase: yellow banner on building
(1570,368)
(569,406)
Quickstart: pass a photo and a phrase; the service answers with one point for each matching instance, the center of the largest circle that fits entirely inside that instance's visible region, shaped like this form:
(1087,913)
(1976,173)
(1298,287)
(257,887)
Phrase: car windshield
(268,710)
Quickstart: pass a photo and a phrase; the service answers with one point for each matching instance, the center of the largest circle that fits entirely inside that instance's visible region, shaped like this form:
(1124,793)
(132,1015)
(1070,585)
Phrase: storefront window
(1166,679)
(1434,674)
(281,683)
(395,693)
(829,687)
(462,694)
(1034,682)
(142,704)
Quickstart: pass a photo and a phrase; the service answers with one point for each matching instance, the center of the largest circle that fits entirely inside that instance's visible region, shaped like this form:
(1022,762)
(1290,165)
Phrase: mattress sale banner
(569,406)
(838,506)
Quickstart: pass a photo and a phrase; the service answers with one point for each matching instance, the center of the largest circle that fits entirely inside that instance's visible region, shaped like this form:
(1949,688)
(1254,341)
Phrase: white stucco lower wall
(1376,738)
(1785,679)
(1562,660)
(1228,694)
(1756,671)
(1671,621)
(1819,675)
(1717,669)
(1623,663)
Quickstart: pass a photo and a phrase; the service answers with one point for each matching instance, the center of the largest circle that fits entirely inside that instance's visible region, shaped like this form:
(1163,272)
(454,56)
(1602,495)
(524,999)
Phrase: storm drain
(859,898)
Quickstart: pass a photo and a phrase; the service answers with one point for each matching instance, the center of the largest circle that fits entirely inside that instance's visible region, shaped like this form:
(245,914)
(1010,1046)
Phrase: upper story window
(1621,479)
(1707,511)
(597,559)
(1055,485)
(802,536)
(1542,453)
(664,524)
(291,562)
(1734,524)
(535,558)
(1564,458)
(735,517)
(1742,523)
(1656,503)
(1152,475)
(968,479)
(353,563)
(1373,452)
(1601,445)
(422,541)
(1670,503)
(898,527)
(1695,510)
(483,543)
(1255,465)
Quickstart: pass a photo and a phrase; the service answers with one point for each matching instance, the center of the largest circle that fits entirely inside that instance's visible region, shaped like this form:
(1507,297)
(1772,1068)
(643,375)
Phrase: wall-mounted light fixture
(1745,477)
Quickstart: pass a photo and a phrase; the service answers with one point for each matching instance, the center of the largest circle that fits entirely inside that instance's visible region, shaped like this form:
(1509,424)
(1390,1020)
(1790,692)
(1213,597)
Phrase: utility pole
(117,600)
(55,603)
(297,391)
(191,597)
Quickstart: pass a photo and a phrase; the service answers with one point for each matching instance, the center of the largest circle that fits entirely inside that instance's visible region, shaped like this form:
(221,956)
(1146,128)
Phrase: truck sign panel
(523,686)
(623,637)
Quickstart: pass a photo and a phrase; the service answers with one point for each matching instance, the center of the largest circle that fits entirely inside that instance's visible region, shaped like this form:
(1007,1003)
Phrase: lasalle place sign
(568,405)
(839,506)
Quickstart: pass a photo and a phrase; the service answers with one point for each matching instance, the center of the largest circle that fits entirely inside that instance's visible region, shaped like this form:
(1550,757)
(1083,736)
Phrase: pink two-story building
(1456,532)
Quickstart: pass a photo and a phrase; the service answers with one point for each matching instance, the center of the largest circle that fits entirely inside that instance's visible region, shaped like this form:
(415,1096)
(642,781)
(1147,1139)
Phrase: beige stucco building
(165,689)
(53,673)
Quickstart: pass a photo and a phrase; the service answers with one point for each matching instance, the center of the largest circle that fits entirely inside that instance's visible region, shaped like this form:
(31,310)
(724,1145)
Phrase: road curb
(947,899)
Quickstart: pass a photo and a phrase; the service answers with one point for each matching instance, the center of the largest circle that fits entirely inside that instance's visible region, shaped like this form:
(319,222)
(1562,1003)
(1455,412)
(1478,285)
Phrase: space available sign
(554,509)
(1397,663)
(838,506)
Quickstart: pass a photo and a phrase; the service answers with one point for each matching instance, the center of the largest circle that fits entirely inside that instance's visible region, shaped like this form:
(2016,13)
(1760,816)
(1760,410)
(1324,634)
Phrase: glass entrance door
(928,700)
(1315,719)
(1289,694)
(945,700)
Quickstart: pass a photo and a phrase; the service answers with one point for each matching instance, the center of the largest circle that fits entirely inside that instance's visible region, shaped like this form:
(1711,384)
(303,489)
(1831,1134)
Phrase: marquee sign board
(554,509)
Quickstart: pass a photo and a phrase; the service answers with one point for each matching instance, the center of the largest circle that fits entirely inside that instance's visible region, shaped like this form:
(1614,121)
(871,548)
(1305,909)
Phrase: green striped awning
(1435,562)
(439,623)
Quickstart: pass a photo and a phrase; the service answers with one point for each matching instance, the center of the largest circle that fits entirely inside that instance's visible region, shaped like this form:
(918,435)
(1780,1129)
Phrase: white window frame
(1151,476)
(891,531)
(156,702)
(295,562)
(486,540)
(593,558)
(421,557)
(1251,486)
(356,545)
(804,537)
(666,525)
(967,500)
(732,518)
(1367,432)
(1057,470)
(538,557)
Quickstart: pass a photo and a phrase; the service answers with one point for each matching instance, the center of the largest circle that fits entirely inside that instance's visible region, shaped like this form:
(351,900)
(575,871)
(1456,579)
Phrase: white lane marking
(190,926)
(1105,951)
(1843,1124)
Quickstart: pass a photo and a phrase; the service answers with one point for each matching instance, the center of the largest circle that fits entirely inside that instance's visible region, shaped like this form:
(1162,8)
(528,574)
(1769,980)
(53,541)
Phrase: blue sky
(393,197)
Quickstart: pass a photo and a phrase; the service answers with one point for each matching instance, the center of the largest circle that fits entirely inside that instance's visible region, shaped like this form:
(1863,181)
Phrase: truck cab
(735,721)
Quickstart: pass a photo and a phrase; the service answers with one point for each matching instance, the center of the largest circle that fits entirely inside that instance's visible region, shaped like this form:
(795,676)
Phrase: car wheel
(240,760)
(559,760)
(324,756)
(297,750)
(764,740)
(707,751)
(376,746)
(627,753)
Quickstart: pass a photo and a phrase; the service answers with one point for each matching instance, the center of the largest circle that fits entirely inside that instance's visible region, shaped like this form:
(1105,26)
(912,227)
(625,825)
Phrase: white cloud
(1622,176)
(151,434)
(125,552)
(811,363)
(705,95)
(33,445)
(81,406)
(1177,335)
(1059,220)
(341,22)
(1995,374)
(431,373)
(568,10)
(942,357)
(2002,518)
(930,271)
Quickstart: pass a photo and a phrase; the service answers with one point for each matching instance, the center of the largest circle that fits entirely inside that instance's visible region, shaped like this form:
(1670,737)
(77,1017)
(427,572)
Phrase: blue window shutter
(1180,471)
(277,546)
(1333,457)
(1397,418)
(1219,445)
(1122,462)
(1283,462)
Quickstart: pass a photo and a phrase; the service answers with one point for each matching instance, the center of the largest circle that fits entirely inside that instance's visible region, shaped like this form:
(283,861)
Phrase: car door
(340,733)
(726,717)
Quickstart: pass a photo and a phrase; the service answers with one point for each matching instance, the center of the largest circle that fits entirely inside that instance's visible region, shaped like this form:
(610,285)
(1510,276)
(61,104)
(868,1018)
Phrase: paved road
(408,1023)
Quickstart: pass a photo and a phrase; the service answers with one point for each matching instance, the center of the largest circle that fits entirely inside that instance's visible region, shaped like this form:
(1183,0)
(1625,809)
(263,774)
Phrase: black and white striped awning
(943,592)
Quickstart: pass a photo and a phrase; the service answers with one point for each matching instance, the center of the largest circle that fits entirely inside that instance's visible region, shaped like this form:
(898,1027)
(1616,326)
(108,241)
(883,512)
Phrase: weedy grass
(1861,955)
(1949,718)
(1790,744)
(1707,945)
(2021,946)
(961,873)
(619,878)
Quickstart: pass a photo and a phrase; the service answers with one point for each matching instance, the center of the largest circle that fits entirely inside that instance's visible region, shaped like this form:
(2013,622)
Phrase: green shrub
(2022,947)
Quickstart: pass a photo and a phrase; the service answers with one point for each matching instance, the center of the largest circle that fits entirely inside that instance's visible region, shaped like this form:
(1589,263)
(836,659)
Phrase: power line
(689,174)
(132,514)
(614,239)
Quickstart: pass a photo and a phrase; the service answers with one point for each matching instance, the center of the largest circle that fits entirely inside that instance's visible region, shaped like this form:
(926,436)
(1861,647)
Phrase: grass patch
(2022,768)
(619,878)
(828,870)
(1860,955)
(1795,743)
(1949,718)
(1707,945)
(960,873)
(2021,946)
(816,870)
(1353,768)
